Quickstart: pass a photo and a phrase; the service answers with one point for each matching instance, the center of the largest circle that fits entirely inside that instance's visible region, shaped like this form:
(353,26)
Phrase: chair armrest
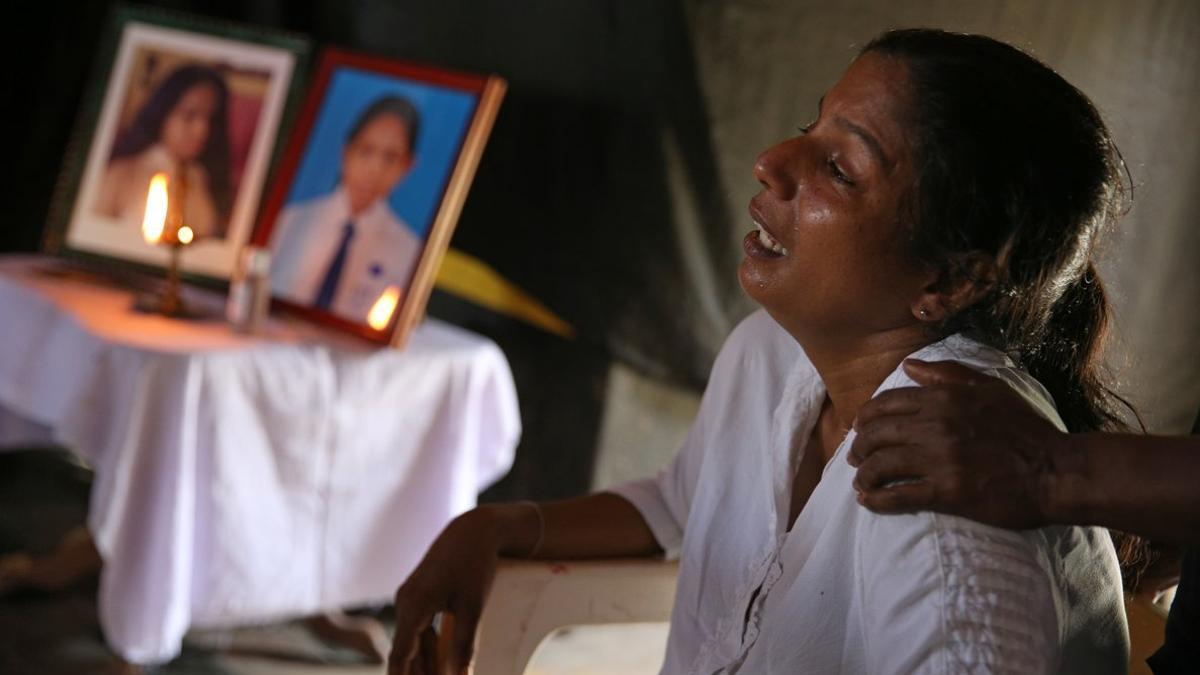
(531,599)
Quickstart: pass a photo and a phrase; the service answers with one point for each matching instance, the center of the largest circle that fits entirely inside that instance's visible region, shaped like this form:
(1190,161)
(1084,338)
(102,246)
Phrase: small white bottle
(250,291)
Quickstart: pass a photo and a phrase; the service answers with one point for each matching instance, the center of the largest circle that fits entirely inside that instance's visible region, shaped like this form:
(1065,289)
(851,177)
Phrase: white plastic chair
(531,599)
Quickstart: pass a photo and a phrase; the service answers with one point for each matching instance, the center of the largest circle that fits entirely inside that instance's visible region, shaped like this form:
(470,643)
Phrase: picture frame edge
(457,188)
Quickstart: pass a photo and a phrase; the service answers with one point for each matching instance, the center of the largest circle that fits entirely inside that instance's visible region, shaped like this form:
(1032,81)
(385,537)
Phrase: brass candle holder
(163,226)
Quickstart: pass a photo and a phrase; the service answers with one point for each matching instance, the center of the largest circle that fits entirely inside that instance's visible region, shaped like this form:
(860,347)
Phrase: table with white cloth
(242,479)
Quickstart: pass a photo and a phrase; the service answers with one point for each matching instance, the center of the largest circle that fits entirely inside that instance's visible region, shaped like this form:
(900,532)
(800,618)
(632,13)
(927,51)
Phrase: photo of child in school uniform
(339,252)
(340,249)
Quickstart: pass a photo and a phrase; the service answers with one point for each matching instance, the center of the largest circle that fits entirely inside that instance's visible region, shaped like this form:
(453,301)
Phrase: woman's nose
(771,170)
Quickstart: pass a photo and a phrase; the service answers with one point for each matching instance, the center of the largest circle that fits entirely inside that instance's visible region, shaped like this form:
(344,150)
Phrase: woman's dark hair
(146,128)
(1014,162)
(389,105)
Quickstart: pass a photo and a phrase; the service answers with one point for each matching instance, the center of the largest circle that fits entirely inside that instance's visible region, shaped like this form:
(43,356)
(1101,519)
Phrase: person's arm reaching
(457,571)
(967,445)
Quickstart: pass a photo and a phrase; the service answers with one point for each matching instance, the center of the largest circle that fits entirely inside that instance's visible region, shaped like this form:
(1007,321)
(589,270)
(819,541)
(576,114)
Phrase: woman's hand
(454,576)
(964,444)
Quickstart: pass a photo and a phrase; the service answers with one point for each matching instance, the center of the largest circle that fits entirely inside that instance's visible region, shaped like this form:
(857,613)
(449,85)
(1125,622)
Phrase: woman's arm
(946,595)
(968,445)
(600,525)
(457,571)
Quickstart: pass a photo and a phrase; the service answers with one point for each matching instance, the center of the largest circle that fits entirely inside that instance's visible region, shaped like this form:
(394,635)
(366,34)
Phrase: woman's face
(375,160)
(186,129)
(834,260)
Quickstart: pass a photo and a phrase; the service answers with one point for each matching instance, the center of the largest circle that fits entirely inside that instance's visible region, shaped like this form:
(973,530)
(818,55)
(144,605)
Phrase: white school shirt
(381,253)
(846,590)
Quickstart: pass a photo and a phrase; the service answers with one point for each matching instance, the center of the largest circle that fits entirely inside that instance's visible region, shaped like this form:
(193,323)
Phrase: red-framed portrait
(370,188)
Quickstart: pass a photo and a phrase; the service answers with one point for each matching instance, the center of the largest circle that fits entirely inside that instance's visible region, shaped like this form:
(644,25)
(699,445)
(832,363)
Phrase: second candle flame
(381,312)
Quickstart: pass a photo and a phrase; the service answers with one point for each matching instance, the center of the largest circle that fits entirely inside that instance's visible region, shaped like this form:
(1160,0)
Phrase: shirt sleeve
(665,500)
(946,595)
(943,594)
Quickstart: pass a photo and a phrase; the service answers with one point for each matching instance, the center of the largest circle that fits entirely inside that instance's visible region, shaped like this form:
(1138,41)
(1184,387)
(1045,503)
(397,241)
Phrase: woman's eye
(838,174)
(806,128)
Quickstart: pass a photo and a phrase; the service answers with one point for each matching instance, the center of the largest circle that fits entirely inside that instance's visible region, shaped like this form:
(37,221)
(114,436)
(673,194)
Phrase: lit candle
(156,209)
(163,224)
(381,312)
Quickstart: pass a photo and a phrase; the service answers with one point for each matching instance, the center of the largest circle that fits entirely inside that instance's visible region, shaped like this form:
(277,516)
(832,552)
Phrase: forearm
(1144,485)
(600,525)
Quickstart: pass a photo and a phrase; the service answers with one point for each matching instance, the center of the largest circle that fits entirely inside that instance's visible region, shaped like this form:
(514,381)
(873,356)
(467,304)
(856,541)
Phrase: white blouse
(847,590)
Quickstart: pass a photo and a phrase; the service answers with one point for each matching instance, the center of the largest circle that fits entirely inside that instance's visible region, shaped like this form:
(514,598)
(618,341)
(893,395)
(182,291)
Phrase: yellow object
(185,235)
(472,279)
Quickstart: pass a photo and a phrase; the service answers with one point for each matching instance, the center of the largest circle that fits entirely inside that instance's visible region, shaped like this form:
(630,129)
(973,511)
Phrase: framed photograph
(198,101)
(370,188)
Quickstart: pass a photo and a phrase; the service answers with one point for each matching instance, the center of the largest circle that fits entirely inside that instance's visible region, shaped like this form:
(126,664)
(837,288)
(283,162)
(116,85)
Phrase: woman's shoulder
(758,355)
(1028,587)
(760,334)
(986,360)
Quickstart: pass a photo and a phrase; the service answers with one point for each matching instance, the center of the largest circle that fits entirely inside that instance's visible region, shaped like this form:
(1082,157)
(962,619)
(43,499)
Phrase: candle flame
(185,235)
(156,209)
(381,312)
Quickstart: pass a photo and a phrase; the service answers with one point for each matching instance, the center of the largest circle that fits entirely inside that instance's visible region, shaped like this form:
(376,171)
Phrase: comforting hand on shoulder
(964,444)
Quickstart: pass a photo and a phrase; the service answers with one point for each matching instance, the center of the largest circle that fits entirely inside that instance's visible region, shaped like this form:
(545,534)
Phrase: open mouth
(768,242)
(761,245)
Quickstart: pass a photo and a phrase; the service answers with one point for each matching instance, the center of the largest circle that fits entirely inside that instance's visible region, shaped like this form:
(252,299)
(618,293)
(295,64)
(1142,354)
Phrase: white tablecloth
(241,479)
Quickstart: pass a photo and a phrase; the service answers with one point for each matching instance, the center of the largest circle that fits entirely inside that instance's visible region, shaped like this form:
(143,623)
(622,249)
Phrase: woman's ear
(955,287)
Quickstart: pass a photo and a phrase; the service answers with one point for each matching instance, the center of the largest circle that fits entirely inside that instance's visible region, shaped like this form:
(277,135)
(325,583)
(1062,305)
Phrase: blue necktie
(333,275)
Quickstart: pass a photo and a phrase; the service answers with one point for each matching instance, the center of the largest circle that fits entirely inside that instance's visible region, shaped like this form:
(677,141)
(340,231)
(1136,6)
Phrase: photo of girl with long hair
(183,125)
